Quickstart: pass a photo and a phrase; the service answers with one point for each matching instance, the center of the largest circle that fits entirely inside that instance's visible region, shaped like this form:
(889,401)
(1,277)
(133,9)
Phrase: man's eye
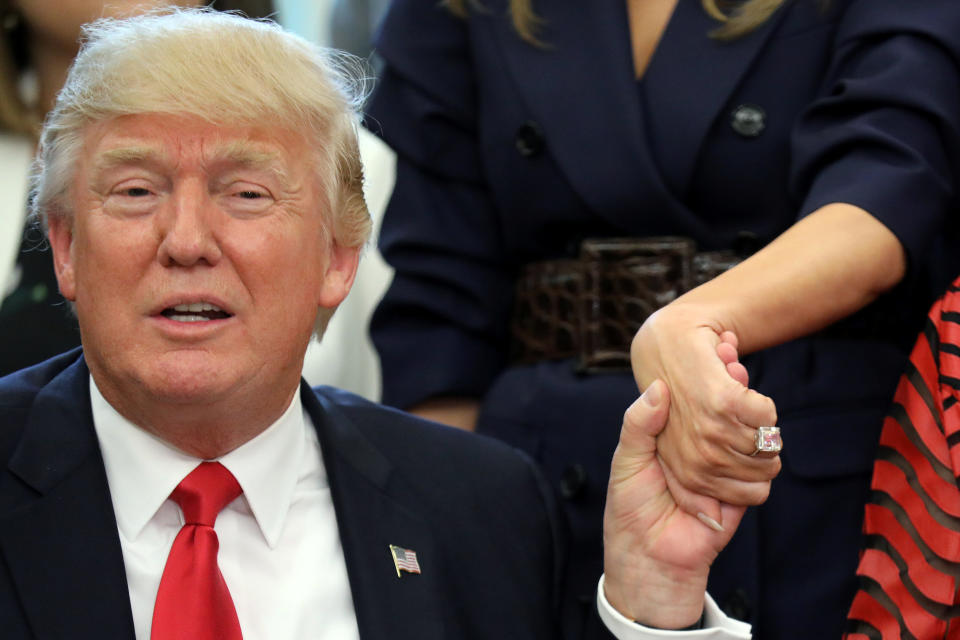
(250,195)
(135,192)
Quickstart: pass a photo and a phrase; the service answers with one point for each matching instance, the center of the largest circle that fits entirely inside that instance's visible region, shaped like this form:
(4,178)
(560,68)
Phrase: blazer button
(529,139)
(573,482)
(748,120)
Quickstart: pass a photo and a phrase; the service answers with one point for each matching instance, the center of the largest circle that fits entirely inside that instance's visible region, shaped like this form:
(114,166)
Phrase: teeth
(180,318)
(196,307)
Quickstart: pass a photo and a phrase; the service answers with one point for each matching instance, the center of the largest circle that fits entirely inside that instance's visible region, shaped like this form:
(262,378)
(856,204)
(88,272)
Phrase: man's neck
(206,430)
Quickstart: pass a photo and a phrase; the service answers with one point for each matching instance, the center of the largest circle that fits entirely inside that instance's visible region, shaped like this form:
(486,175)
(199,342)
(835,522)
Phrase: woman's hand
(706,446)
(826,266)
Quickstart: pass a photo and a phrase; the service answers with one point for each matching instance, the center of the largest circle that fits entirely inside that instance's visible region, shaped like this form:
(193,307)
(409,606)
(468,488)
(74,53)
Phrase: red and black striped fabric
(909,569)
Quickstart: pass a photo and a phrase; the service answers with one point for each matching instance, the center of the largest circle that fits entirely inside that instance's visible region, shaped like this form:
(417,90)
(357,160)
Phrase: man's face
(196,259)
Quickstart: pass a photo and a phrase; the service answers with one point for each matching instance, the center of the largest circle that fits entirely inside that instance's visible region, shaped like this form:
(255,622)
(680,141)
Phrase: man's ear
(341,271)
(60,233)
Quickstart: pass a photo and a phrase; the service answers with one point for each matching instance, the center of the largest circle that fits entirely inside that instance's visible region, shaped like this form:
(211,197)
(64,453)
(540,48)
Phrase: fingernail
(651,396)
(710,522)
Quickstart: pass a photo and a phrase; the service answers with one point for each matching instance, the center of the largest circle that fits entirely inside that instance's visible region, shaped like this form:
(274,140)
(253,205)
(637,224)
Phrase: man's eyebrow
(127,155)
(237,153)
(251,157)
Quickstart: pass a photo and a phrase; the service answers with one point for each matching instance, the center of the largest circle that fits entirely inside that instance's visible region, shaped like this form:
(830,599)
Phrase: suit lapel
(373,512)
(58,533)
(595,112)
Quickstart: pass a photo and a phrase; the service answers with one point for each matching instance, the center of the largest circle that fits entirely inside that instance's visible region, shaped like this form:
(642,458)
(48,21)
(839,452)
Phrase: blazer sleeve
(446,311)
(910,562)
(885,133)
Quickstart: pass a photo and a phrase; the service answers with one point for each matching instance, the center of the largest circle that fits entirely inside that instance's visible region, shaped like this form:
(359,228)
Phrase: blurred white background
(309,18)
(346,358)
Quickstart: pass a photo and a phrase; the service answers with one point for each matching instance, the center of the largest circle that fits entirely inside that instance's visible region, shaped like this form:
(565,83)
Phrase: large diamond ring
(767,439)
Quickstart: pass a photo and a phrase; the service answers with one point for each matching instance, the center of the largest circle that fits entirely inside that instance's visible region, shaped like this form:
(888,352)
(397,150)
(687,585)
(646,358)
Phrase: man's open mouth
(195,312)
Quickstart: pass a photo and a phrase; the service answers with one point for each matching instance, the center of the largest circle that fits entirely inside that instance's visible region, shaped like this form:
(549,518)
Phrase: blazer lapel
(693,76)
(58,532)
(592,110)
(373,512)
(595,111)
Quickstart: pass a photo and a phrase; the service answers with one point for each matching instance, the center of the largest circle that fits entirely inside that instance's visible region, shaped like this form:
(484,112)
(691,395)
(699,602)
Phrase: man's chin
(178,377)
(201,381)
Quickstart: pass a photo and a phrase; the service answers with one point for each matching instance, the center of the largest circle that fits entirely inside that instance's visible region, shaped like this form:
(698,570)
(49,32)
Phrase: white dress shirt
(716,624)
(280,551)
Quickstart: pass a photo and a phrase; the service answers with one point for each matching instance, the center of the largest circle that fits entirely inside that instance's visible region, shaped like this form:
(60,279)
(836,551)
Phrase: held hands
(713,416)
(656,556)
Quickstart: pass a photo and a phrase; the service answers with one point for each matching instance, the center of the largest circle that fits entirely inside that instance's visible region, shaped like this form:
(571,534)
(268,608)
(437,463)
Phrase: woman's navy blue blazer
(510,153)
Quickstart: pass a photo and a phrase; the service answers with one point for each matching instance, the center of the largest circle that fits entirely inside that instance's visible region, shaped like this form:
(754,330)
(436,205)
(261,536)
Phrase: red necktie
(193,600)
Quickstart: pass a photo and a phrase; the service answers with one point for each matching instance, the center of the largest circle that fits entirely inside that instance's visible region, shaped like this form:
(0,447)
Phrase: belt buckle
(624,281)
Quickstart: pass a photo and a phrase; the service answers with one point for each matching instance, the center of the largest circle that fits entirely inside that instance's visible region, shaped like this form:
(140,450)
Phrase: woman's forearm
(452,411)
(824,268)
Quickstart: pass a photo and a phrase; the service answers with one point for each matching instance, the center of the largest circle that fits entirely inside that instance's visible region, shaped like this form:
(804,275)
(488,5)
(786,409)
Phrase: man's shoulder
(382,423)
(19,389)
(485,502)
(494,528)
(18,395)
(430,452)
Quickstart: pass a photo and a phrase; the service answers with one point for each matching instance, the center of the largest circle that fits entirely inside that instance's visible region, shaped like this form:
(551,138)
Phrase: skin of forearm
(825,267)
(453,411)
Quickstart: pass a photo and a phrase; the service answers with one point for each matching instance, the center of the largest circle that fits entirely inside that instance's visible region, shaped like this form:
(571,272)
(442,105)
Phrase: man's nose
(187,235)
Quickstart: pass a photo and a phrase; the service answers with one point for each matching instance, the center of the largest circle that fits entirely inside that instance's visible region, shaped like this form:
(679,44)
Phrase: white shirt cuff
(716,624)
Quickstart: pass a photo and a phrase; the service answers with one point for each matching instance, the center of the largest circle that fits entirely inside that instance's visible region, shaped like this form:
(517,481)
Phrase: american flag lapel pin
(404,560)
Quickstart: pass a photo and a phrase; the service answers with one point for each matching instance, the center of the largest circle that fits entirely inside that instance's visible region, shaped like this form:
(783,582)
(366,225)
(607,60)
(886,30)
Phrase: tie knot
(204,492)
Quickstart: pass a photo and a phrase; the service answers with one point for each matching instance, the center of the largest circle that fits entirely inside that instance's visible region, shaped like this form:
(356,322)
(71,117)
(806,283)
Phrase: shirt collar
(142,470)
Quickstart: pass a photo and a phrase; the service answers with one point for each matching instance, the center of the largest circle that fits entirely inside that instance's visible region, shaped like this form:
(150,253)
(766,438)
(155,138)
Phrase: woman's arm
(825,267)
(883,137)
(828,265)
(455,412)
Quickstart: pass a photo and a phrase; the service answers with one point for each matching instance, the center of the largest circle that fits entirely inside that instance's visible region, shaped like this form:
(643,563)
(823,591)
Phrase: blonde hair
(742,19)
(225,69)
(738,22)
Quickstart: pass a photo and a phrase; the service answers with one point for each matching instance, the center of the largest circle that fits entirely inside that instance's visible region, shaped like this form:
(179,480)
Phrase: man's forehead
(245,154)
(165,140)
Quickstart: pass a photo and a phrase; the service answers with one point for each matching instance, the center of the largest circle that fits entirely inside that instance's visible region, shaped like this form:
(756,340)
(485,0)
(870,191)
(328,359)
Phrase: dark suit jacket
(510,153)
(476,513)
